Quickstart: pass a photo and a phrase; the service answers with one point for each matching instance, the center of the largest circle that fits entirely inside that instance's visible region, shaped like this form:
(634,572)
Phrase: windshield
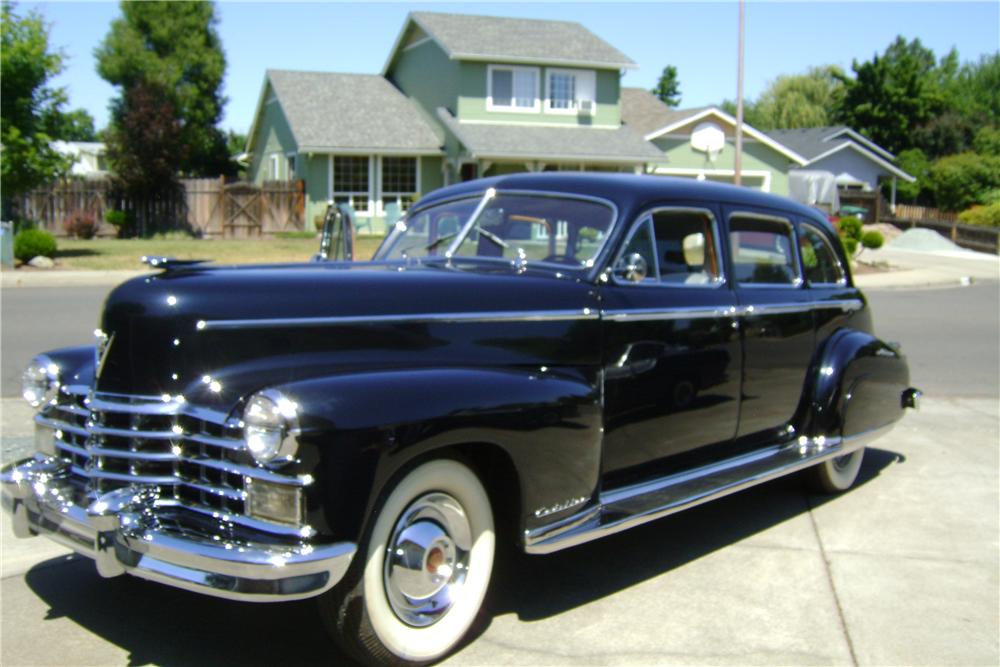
(516,227)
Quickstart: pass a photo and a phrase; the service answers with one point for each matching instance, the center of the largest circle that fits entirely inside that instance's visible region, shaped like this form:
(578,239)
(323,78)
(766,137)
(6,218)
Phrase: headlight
(270,426)
(40,381)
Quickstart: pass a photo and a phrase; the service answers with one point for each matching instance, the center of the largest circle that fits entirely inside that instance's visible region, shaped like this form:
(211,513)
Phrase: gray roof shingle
(645,113)
(502,39)
(331,111)
(555,143)
(809,142)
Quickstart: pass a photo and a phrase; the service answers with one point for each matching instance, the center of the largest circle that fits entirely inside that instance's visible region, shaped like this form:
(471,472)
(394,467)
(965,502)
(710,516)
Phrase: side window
(642,244)
(819,261)
(763,250)
(686,247)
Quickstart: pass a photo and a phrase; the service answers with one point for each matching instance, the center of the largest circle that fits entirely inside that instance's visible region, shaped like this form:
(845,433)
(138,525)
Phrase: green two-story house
(459,97)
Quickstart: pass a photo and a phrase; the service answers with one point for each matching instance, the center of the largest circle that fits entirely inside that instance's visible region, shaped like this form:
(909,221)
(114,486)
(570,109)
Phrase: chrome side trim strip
(409,318)
(649,314)
(632,506)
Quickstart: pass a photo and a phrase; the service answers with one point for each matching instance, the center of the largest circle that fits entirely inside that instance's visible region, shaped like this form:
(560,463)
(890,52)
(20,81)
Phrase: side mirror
(337,239)
(632,268)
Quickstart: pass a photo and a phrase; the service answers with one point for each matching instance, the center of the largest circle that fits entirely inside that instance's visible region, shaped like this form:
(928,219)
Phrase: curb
(16,279)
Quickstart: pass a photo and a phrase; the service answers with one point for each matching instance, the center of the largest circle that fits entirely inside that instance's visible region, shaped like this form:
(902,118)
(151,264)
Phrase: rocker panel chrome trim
(414,318)
(614,515)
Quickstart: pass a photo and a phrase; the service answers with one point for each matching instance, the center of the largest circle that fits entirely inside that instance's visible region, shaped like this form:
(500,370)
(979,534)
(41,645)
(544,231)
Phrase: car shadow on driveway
(160,625)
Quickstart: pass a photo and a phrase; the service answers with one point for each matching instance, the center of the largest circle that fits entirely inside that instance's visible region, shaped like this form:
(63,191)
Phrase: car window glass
(819,261)
(763,252)
(686,247)
(642,244)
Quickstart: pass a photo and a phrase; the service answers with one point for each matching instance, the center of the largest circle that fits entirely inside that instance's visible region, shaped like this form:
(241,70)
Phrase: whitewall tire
(425,570)
(838,474)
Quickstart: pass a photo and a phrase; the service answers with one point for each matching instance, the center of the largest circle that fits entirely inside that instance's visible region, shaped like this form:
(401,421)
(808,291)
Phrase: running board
(621,509)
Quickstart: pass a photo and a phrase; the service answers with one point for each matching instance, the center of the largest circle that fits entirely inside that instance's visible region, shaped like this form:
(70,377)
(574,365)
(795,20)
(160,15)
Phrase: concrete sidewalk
(911,269)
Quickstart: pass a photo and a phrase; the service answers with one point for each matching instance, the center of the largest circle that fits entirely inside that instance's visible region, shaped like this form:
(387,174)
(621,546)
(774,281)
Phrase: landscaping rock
(41,262)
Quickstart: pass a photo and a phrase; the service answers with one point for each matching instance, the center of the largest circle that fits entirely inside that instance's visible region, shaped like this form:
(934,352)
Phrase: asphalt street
(902,569)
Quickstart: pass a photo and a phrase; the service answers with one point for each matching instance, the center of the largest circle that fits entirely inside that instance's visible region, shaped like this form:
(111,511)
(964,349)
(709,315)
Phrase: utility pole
(738,165)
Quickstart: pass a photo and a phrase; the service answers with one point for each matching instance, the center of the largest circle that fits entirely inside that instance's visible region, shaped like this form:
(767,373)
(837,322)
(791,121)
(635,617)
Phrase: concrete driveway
(901,570)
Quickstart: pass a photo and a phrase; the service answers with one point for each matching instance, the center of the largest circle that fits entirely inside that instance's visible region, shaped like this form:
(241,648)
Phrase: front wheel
(427,565)
(837,474)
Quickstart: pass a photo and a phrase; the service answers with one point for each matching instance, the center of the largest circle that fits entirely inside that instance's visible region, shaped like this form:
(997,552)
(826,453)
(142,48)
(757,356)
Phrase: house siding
(473,89)
(847,160)
(756,157)
(412,74)
(273,135)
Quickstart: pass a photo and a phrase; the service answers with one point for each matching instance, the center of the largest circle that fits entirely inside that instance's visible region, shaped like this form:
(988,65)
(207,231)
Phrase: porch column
(892,203)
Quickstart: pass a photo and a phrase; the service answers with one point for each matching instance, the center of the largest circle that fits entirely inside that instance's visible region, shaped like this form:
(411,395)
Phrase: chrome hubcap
(427,559)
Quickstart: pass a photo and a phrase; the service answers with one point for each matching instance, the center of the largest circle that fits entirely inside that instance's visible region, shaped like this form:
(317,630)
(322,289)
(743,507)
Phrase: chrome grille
(192,455)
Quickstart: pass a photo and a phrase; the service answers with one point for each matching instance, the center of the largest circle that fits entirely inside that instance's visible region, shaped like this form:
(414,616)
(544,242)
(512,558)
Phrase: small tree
(27,64)
(145,148)
(668,88)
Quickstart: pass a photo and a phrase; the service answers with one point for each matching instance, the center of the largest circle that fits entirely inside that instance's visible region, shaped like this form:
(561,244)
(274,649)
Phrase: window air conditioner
(586,107)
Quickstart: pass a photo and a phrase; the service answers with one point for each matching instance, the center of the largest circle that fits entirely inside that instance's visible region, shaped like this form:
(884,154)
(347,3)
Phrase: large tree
(173,48)
(27,64)
(893,95)
(668,88)
(798,100)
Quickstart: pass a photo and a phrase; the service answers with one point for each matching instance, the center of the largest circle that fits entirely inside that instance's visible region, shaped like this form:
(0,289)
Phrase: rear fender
(857,385)
(367,429)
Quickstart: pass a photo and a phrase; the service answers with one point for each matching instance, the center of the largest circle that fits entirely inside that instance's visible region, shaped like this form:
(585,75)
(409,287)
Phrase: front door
(672,347)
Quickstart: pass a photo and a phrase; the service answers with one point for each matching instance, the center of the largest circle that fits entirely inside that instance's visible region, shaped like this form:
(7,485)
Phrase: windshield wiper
(439,240)
(493,237)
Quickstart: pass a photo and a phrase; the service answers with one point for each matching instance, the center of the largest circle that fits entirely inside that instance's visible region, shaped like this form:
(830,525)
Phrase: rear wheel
(837,474)
(425,570)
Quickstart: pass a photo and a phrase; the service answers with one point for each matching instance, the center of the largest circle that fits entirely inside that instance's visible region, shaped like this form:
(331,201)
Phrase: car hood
(216,334)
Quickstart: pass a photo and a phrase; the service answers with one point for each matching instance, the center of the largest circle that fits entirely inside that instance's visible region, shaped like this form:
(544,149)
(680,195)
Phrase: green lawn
(114,254)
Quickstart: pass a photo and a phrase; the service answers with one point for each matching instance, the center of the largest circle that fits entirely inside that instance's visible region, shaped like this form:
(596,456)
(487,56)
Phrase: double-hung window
(400,182)
(351,182)
(512,88)
(570,91)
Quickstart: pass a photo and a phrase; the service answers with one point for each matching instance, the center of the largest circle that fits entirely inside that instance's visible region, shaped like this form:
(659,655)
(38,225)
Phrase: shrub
(81,224)
(31,243)
(986,216)
(850,227)
(960,181)
(120,220)
(987,141)
(872,239)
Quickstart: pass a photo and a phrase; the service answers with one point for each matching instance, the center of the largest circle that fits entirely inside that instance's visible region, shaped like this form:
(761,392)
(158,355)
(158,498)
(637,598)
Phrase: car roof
(626,191)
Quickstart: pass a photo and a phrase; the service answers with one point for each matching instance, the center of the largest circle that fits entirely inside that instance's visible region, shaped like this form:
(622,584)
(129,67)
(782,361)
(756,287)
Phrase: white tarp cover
(814,187)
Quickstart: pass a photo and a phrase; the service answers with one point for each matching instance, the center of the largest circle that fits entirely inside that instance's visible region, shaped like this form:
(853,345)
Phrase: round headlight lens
(266,423)
(40,381)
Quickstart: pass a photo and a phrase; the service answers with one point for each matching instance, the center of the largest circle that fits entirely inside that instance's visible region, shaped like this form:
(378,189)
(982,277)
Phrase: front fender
(857,385)
(367,427)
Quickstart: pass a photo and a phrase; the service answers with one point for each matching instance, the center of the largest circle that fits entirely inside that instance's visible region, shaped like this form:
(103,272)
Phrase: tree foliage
(963,180)
(915,163)
(668,88)
(76,125)
(172,50)
(145,142)
(798,100)
(893,94)
(27,64)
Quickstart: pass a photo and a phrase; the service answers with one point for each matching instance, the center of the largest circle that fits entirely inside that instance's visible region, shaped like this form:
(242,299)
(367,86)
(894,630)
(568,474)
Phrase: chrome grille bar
(112,441)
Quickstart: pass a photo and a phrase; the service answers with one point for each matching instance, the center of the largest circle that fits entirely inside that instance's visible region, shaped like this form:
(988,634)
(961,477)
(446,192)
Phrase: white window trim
(370,194)
(535,108)
(274,167)
(575,109)
(380,193)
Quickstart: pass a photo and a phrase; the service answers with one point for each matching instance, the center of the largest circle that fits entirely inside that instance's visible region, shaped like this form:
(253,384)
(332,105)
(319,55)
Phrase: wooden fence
(208,207)
(919,213)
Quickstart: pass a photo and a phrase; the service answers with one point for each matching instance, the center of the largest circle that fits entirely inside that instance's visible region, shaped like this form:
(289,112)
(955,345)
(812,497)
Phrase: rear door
(777,323)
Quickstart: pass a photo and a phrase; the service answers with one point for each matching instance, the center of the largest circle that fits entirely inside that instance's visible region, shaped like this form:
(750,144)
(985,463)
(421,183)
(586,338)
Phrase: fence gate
(242,211)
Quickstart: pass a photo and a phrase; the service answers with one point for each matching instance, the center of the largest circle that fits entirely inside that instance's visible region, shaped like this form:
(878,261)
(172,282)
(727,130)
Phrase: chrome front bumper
(122,532)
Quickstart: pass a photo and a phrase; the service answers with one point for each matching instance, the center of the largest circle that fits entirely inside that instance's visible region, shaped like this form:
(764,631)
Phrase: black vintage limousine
(545,359)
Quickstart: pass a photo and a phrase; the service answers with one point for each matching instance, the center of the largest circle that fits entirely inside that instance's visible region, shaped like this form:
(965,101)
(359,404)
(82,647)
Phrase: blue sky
(698,38)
